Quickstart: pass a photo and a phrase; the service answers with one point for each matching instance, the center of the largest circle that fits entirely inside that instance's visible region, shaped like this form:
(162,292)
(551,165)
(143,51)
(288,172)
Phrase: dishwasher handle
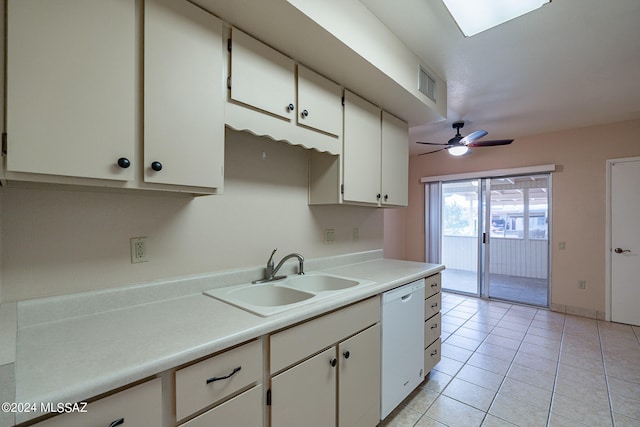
(407,297)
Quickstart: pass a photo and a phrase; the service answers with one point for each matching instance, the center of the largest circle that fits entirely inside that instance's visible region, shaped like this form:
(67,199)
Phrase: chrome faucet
(271,271)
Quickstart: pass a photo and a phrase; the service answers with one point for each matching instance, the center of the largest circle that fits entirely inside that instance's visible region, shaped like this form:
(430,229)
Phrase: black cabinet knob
(378,196)
(386,197)
(123,162)
(156,166)
(305,113)
(346,354)
(291,107)
(333,362)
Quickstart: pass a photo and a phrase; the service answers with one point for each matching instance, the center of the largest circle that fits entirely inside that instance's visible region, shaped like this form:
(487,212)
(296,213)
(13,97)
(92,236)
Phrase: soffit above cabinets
(345,42)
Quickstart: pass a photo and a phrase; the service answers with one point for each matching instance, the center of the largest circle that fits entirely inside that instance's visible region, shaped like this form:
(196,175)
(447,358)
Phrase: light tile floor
(506,364)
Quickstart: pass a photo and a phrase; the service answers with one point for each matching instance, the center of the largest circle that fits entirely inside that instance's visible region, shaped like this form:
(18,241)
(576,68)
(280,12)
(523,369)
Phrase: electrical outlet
(582,284)
(329,235)
(563,246)
(138,250)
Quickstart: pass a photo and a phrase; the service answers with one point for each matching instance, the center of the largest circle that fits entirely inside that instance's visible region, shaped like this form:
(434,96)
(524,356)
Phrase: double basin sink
(265,299)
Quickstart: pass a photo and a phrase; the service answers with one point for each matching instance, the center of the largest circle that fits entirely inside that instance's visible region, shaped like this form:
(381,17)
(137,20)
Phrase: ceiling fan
(460,145)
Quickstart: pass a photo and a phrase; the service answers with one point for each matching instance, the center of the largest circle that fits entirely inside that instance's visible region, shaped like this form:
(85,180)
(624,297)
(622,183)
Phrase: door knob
(621,251)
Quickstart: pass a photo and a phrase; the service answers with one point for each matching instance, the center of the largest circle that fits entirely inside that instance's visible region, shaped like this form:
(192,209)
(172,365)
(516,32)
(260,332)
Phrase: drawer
(296,343)
(432,330)
(242,410)
(432,355)
(432,284)
(207,382)
(136,406)
(432,305)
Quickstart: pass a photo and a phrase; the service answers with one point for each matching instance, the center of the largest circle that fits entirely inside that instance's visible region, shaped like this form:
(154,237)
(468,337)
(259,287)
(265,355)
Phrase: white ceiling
(569,64)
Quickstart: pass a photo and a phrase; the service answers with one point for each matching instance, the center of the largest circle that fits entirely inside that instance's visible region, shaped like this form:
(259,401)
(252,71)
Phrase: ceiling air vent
(427,84)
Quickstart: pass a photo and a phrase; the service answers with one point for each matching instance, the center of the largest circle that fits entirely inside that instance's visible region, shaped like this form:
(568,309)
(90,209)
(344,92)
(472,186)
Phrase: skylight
(476,16)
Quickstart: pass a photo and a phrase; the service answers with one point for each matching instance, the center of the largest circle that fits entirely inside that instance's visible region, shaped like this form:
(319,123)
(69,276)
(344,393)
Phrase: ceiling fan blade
(491,143)
(473,136)
(435,151)
(431,143)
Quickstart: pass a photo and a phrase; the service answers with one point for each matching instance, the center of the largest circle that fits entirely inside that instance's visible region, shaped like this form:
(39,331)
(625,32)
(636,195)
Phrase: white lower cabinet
(306,393)
(339,385)
(432,324)
(359,379)
(136,406)
(242,410)
(215,379)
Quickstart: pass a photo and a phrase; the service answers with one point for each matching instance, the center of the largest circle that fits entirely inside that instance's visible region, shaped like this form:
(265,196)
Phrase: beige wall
(58,242)
(579,205)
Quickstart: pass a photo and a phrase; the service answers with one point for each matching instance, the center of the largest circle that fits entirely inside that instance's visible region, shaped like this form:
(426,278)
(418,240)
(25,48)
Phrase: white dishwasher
(402,344)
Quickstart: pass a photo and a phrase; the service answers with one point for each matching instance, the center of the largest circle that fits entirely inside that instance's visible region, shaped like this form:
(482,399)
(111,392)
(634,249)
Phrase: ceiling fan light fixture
(459,150)
(476,16)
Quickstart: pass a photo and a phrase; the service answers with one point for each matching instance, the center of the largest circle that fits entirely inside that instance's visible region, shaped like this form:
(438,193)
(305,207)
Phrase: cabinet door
(305,395)
(70,87)
(361,150)
(242,410)
(359,384)
(319,102)
(137,406)
(395,161)
(262,77)
(183,95)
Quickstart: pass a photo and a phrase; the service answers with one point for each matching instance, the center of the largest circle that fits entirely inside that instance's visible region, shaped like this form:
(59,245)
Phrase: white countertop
(73,359)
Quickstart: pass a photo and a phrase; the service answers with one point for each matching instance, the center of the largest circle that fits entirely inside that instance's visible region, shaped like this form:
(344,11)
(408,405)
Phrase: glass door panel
(517,251)
(461,221)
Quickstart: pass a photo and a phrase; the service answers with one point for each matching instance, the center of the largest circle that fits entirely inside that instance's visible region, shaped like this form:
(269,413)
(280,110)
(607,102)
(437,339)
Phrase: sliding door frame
(433,247)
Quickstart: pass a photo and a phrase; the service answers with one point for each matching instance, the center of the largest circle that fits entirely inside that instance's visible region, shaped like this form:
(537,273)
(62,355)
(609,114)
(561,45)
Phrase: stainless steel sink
(266,299)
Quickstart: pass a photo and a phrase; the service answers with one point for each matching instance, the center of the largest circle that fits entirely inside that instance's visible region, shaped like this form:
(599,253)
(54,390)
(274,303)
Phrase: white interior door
(625,242)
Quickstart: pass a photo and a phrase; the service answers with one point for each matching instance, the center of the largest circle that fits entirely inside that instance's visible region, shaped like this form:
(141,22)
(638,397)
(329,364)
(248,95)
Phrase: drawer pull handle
(434,305)
(213,379)
(434,352)
(435,325)
(434,285)
(117,422)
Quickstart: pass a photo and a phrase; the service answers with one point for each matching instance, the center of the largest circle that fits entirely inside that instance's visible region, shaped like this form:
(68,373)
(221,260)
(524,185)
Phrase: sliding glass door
(517,247)
(461,226)
(492,234)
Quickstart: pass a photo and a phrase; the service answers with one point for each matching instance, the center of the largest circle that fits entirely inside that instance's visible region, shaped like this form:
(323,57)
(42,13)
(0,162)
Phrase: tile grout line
(555,377)
(606,377)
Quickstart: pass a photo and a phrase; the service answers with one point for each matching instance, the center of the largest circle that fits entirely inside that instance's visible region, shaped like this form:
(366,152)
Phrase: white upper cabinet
(361,151)
(395,161)
(262,77)
(267,98)
(319,102)
(183,95)
(70,87)
(374,167)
